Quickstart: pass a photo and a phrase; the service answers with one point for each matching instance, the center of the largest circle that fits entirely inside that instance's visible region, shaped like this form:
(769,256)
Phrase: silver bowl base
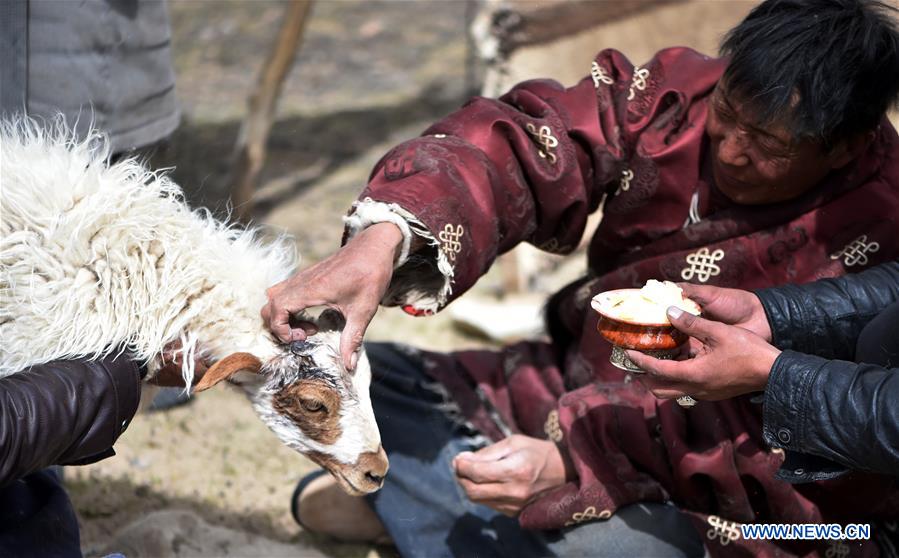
(620,360)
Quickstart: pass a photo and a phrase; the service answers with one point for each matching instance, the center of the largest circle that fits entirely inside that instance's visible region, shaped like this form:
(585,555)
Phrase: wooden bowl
(658,339)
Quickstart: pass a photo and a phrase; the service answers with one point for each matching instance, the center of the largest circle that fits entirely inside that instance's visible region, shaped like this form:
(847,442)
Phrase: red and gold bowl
(658,339)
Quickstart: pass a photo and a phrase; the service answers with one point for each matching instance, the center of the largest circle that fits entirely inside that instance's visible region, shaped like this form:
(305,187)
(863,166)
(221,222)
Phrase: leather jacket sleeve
(825,318)
(828,414)
(841,411)
(64,413)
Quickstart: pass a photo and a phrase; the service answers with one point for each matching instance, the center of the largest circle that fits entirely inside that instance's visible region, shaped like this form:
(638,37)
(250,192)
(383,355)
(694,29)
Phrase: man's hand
(509,474)
(727,361)
(352,281)
(730,306)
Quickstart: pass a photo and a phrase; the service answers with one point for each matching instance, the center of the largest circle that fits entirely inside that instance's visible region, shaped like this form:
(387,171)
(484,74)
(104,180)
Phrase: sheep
(98,257)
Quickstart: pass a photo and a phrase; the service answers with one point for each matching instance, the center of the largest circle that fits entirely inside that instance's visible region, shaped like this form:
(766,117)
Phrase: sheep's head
(314,405)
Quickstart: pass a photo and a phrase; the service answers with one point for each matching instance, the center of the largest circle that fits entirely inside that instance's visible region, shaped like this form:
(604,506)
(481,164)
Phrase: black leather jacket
(838,409)
(64,413)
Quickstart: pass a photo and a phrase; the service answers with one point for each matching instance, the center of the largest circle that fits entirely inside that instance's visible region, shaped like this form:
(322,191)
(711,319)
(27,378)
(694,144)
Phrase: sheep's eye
(312,405)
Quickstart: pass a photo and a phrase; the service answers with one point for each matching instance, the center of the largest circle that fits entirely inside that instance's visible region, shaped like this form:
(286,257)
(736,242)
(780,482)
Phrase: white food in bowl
(647,305)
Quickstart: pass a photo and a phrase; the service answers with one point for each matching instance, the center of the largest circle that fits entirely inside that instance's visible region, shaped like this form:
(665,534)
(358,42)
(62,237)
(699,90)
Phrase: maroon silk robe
(530,167)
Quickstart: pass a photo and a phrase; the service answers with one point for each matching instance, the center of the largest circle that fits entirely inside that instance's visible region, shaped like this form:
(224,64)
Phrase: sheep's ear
(228,367)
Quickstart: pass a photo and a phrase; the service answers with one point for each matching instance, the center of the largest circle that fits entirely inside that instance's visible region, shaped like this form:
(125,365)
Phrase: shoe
(319,506)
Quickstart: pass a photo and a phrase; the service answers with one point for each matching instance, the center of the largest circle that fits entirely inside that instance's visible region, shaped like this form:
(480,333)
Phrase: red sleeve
(529,166)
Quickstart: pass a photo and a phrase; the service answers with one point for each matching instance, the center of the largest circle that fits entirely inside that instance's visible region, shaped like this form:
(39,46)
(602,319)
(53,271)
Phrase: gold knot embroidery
(856,252)
(637,82)
(544,136)
(552,245)
(624,183)
(599,75)
(449,240)
(587,515)
(724,531)
(702,264)
(552,427)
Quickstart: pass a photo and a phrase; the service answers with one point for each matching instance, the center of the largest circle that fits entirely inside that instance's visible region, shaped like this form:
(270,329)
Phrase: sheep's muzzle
(364,476)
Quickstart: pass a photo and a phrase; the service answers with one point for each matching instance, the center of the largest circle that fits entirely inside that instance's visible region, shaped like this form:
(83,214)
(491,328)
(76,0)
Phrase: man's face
(754,164)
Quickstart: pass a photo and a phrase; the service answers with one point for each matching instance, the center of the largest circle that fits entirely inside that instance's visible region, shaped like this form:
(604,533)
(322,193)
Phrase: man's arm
(838,410)
(64,412)
(825,318)
(528,167)
(832,410)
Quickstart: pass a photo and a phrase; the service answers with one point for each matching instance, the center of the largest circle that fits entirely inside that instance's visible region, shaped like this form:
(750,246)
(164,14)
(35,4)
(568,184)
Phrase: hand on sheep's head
(352,281)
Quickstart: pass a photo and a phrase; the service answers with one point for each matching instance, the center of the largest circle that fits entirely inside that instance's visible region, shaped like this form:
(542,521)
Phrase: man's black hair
(826,69)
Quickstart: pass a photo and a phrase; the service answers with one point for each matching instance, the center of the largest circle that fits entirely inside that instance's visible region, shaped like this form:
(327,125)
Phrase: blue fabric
(427,513)
(37,518)
(878,342)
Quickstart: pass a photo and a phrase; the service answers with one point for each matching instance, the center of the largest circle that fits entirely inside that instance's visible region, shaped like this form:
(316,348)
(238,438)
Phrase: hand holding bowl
(649,332)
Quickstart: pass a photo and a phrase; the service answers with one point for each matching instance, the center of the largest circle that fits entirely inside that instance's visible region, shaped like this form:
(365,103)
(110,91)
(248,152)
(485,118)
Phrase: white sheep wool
(98,257)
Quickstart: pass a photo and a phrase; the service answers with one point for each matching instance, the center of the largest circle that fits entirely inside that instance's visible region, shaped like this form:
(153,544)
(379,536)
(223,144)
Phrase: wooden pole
(249,152)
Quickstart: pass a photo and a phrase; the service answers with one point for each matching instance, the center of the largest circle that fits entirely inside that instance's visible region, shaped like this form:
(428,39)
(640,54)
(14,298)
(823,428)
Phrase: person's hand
(507,475)
(352,281)
(727,361)
(730,306)
(169,375)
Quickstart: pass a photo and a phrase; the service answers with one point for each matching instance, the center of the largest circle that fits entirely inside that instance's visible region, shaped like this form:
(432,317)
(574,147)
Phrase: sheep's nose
(373,466)
(377,479)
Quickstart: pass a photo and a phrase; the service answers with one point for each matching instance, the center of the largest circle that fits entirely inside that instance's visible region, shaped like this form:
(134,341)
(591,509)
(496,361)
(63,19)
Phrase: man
(62,413)
(775,164)
(54,414)
(102,64)
(814,408)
